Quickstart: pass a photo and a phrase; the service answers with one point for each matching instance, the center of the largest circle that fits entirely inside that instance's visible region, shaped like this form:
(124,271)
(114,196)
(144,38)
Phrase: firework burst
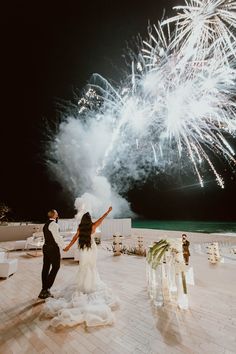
(176,106)
(180,95)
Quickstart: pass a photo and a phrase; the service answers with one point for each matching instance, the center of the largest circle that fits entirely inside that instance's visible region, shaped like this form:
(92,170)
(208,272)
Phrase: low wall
(108,228)
(18,232)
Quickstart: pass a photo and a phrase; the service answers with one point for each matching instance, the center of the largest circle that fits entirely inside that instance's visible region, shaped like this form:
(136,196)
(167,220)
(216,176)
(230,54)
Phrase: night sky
(51,50)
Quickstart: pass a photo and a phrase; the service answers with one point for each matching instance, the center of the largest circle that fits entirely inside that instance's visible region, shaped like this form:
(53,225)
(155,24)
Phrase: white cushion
(76,253)
(8,267)
(20,244)
(2,256)
(72,253)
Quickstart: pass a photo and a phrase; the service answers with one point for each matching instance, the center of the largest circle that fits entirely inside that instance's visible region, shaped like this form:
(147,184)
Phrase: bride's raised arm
(100,220)
(74,239)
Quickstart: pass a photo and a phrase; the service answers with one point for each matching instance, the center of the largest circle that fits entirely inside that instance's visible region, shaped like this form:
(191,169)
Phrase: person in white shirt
(53,241)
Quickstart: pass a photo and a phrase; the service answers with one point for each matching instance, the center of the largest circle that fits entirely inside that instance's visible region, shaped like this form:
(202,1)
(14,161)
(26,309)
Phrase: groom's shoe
(49,293)
(43,294)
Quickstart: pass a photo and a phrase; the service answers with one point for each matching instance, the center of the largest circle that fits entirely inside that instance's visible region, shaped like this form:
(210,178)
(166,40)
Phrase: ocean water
(190,226)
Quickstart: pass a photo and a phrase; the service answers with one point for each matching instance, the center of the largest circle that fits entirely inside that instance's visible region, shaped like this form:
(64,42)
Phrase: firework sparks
(182,93)
(178,103)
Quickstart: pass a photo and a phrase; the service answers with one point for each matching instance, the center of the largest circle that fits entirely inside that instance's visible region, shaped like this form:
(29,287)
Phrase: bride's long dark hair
(85,230)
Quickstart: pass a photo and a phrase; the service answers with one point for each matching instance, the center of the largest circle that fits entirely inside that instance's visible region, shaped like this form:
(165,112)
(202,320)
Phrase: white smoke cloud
(75,157)
(99,198)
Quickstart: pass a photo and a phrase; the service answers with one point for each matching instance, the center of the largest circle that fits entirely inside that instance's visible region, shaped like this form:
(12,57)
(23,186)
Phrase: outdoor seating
(19,245)
(8,267)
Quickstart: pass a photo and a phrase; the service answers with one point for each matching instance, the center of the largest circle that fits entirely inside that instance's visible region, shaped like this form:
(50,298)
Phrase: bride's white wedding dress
(87,301)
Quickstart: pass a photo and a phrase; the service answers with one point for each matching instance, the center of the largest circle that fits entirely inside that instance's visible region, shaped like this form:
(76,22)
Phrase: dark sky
(48,51)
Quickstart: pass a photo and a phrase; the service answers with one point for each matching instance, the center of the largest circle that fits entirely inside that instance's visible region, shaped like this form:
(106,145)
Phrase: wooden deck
(208,327)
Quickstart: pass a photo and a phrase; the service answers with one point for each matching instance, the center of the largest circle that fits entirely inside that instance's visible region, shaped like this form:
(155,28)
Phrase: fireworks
(175,107)
(180,94)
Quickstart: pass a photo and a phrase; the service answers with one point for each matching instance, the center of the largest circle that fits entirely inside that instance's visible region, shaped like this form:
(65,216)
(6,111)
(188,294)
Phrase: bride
(88,300)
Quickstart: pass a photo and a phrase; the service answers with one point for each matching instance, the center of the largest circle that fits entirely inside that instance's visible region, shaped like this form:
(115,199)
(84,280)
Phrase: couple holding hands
(87,299)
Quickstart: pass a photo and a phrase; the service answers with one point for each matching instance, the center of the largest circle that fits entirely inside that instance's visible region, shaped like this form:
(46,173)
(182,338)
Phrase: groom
(51,253)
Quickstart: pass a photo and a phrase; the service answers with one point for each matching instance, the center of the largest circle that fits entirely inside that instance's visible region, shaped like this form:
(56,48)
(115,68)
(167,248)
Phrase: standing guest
(185,246)
(51,253)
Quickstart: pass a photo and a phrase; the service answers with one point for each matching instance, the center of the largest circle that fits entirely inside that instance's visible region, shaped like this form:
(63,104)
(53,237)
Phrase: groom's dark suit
(51,253)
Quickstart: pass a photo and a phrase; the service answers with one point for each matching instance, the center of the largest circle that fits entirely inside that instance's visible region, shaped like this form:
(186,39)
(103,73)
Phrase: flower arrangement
(129,250)
(157,252)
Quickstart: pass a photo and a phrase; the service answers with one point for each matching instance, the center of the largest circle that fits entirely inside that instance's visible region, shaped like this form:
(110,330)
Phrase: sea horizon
(186,225)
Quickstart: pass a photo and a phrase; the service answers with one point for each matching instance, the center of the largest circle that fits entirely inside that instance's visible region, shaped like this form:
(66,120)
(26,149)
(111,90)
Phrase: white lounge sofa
(72,253)
(19,245)
(7,266)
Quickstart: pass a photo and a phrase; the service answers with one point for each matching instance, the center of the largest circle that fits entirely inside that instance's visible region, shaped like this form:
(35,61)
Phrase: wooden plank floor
(209,326)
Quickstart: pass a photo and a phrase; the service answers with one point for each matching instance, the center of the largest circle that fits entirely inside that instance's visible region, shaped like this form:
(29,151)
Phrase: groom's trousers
(51,265)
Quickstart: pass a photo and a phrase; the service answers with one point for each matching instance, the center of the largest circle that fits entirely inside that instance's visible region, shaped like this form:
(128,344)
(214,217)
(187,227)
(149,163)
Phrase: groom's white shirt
(54,228)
